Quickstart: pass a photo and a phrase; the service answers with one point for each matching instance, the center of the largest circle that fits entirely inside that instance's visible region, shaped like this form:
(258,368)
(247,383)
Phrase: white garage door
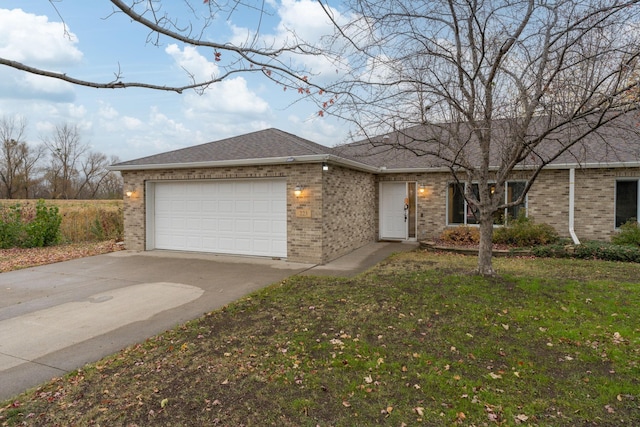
(247,217)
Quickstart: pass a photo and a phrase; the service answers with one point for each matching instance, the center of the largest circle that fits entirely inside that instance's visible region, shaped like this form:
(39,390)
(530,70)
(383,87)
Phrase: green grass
(415,341)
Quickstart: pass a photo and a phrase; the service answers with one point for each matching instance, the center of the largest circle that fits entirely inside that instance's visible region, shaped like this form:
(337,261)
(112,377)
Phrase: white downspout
(572,202)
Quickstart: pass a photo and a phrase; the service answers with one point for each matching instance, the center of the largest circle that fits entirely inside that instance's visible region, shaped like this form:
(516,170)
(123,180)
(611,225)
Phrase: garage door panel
(237,217)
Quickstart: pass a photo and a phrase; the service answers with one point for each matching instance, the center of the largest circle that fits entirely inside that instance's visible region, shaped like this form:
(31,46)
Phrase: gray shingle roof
(614,144)
(263,144)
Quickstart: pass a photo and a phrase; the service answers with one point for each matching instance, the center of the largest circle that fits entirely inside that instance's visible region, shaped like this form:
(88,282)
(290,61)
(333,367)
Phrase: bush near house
(629,234)
(461,235)
(590,250)
(523,231)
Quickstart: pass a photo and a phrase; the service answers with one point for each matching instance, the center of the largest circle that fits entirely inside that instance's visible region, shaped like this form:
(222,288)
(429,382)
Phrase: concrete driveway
(58,317)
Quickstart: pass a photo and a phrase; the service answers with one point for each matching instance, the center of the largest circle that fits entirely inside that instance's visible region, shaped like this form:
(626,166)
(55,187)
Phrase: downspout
(572,203)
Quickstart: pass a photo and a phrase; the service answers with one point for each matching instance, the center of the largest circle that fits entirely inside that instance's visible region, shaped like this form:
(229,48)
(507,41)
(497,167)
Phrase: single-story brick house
(270,193)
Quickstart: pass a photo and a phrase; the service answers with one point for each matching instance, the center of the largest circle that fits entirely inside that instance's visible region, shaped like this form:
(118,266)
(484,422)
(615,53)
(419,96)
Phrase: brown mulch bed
(498,249)
(18,258)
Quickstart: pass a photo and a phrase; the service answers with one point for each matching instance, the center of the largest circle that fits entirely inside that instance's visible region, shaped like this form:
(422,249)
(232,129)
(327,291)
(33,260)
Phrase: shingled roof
(614,145)
(256,146)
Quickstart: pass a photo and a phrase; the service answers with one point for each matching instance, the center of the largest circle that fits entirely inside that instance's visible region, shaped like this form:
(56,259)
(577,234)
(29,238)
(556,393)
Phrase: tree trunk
(485,251)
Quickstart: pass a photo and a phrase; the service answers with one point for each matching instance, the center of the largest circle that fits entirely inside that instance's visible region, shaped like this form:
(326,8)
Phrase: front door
(394,211)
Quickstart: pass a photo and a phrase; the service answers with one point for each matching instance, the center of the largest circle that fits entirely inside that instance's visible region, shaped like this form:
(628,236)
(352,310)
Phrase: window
(459,212)
(626,201)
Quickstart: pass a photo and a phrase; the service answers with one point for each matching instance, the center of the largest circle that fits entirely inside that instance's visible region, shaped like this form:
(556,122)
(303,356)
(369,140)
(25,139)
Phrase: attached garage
(240,217)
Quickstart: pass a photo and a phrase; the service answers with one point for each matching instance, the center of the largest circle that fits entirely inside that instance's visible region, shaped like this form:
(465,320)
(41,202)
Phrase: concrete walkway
(58,317)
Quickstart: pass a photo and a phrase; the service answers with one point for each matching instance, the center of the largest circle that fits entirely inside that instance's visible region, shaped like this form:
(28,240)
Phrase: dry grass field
(82,220)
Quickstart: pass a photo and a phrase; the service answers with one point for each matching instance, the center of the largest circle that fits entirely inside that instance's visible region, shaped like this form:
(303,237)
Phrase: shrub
(44,229)
(11,228)
(590,250)
(21,227)
(524,232)
(607,252)
(461,235)
(555,250)
(629,234)
(108,225)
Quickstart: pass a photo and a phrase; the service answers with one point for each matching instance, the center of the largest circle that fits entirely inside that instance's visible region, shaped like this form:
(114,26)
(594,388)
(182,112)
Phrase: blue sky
(132,123)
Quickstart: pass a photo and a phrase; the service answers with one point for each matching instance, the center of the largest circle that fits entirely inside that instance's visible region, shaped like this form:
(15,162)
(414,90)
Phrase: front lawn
(415,341)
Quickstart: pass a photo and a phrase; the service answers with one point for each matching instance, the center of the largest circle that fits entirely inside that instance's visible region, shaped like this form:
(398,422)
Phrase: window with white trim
(626,201)
(460,212)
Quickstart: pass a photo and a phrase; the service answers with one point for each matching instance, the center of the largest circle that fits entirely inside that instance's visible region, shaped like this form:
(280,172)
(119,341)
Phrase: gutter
(353,164)
(314,158)
(572,196)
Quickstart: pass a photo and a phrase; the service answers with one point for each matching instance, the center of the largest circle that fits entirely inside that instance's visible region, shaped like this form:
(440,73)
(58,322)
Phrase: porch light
(421,189)
(298,190)
(129,193)
(325,166)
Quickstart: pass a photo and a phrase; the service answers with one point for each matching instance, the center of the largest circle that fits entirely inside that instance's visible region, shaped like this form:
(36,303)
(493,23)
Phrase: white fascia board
(315,158)
(595,165)
(352,164)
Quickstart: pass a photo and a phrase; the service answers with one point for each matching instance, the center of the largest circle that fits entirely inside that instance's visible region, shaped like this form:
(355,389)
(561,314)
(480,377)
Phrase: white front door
(394,214)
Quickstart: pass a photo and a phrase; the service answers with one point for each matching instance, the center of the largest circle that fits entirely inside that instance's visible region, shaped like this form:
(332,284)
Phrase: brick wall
(548,200)
(349,213)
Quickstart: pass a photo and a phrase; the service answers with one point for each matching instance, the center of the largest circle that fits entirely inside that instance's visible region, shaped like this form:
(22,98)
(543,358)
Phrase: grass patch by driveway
(415,341)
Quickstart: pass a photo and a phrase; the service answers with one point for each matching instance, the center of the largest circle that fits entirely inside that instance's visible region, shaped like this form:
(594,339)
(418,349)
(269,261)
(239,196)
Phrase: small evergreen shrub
(629,234)
(461,235)
(523,231)
(607,251)
(590,250)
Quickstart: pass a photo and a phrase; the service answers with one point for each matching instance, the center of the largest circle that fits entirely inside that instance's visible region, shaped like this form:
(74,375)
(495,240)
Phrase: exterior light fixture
(129,193)
(325,166)
(421,189)
(298,190)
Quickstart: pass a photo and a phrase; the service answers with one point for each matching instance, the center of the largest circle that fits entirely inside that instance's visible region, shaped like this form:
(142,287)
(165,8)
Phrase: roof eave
(314,158)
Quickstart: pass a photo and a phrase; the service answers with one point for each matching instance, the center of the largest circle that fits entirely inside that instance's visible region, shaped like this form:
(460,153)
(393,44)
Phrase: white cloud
(231,96)
(26,37)
(132,123)
(33,40)
(193,62)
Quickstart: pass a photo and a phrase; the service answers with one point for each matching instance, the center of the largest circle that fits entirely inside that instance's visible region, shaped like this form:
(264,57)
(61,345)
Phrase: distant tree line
(60,166)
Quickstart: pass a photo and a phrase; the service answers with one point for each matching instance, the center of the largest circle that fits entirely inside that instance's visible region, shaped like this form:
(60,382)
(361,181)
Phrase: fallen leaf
(368,379)
(419,410)
(494,376)
(521,417)
(506,327)
(346,404)
(164,402)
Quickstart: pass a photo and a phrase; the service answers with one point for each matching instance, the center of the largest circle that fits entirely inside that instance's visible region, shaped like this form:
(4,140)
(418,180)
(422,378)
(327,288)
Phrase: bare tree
(485,86)
(255,55)
(30,158)
(111,186)
(93,173)
(66,150)
(12,132)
